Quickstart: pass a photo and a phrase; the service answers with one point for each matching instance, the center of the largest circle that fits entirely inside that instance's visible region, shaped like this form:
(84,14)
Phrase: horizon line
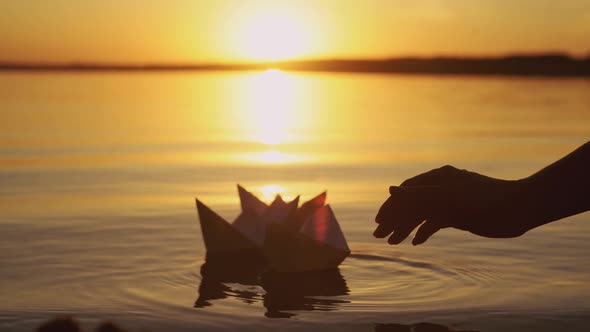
(530,64)
(547,53)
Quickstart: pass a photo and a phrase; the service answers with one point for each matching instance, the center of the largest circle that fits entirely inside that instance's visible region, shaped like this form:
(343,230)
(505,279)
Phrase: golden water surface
(99,174)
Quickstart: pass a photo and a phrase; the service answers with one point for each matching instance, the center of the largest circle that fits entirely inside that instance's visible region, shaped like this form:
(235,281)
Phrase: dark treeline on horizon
(519,65)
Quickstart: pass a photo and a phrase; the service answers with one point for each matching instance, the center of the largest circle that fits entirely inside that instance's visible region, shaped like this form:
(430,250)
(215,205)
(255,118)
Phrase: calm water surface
(99,172)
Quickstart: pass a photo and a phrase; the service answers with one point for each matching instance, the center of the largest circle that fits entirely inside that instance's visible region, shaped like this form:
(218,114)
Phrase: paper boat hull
(287,251)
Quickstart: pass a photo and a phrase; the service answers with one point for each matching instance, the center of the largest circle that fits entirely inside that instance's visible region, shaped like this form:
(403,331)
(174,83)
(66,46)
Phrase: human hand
(449,197)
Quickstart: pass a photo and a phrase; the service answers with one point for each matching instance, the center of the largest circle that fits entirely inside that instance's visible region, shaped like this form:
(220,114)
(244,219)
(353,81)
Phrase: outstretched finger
(426,230)
(386,211)
(386,218)
(383,230)
(402,232)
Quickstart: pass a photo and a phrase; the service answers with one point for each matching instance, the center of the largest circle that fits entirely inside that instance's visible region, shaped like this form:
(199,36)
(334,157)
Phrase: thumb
(425,231)
(394,190)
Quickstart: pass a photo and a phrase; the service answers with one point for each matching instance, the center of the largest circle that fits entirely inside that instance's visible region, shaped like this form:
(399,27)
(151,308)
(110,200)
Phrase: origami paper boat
(290,238)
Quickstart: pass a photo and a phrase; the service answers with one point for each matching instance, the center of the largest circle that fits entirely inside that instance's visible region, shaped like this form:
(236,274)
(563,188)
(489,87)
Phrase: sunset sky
(215,30)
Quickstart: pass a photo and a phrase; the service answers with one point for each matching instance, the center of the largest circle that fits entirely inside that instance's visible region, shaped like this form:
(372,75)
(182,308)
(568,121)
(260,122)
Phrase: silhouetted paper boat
(290,238)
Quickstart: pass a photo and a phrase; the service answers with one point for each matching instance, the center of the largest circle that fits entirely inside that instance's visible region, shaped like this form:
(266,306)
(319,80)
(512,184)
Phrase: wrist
(522,204)
(536,202)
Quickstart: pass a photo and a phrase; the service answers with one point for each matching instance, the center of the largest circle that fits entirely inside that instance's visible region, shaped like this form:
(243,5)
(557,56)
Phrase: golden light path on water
(103,214)
(271,105)
(271,101)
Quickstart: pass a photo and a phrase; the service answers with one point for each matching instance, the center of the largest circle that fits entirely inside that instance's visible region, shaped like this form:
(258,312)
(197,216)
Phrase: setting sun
(272,35)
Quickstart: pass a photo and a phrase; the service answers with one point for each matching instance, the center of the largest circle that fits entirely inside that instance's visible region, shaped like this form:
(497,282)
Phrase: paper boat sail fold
(250,203)
(291,238)
(218,235)
(250,222)
(322,227)
(308,208)
(280,212)
(251,226)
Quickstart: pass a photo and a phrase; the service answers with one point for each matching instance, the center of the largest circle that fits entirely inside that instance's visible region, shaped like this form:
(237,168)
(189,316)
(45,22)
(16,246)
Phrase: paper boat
(290,238)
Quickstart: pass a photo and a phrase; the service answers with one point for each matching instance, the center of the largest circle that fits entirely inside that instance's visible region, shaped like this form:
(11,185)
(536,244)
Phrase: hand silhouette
(449,197)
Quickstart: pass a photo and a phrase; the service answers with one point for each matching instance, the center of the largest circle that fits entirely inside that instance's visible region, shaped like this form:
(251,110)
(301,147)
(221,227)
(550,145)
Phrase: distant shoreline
(551,65)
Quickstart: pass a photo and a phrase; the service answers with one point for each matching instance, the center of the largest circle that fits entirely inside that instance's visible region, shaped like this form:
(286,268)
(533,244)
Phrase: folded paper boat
(288,237)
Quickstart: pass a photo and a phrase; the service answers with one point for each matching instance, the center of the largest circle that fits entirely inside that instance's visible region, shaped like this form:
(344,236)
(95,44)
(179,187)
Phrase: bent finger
(387,210)
(405,209)
(426,230)
(401,233)
(383,230)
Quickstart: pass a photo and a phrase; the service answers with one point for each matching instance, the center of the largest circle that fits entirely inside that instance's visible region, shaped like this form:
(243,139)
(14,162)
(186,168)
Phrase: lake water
(99,173)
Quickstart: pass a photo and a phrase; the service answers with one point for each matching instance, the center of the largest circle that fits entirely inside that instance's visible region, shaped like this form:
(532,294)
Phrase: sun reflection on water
(271,105)
(269,114)
(276,157)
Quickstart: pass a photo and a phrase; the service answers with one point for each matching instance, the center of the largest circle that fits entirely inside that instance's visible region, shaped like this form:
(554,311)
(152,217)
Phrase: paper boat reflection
(217,274)
(285,236)
(309,291)
(280,293)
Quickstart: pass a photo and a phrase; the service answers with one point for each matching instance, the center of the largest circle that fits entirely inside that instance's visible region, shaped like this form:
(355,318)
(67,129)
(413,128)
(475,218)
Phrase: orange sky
(224,30)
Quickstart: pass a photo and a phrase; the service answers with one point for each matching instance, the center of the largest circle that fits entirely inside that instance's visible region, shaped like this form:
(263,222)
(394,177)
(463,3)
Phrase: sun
(272,35)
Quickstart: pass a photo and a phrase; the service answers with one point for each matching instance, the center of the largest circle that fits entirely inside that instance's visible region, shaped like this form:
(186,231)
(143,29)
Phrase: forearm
(560,190)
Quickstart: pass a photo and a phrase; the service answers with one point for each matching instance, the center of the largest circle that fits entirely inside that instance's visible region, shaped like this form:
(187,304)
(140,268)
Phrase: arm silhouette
(485,206)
